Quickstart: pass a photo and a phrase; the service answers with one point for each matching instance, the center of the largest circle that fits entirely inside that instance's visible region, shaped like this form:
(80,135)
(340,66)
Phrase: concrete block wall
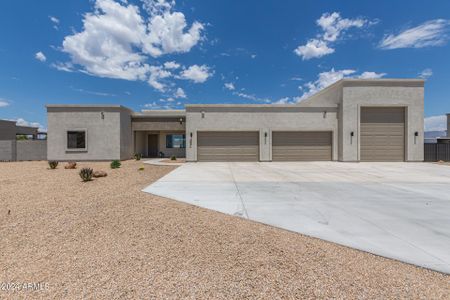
(7,150)
(31,150)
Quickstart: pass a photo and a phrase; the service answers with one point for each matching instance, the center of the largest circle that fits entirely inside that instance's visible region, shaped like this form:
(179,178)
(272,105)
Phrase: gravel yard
(106,239)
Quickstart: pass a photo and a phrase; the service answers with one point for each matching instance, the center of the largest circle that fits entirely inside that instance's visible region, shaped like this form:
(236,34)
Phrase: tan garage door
(228,146)
(382,134)
(301,145)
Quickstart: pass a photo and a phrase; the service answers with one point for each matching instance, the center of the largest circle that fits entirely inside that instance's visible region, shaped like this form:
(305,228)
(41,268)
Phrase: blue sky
(164,54)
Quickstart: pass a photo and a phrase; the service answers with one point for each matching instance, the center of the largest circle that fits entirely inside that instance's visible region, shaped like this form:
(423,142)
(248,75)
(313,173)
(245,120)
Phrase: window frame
(182,146)
(85,140)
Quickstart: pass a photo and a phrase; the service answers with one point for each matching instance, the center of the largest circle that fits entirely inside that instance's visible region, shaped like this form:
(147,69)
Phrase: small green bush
(86,174)
(138,156)
(173,157)
(53,164)
(141,169)
(115,164)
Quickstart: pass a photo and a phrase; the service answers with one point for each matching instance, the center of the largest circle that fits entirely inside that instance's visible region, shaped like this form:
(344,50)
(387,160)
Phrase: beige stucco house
(351,120)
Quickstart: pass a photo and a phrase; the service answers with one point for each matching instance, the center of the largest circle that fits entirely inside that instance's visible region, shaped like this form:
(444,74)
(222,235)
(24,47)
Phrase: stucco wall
(412,98)
(126,136)
(7,130)
(280,120)
(103,134)
(7,150)
(31,150)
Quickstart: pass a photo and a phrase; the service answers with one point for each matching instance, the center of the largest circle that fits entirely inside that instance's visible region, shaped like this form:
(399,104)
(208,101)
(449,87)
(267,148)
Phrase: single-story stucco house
(351,120)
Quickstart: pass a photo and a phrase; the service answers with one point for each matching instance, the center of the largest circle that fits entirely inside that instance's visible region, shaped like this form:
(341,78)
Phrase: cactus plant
(115,164)
(86,174)
(173,157)
(138,156)
(53,164)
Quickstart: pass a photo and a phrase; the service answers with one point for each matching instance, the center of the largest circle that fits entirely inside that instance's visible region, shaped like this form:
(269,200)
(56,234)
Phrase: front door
(152,145)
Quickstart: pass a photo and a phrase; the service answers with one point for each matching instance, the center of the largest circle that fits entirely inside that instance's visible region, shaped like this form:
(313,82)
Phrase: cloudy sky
(158,54)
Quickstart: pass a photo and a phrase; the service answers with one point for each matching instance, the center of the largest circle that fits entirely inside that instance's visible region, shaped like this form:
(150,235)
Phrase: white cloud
(436,123)
(371,75)
(116,40)
(333,27)
(55,21)
(328,78)
(253,56)
(195,73)
(426,73)
(40,56)
(428,34)
(171,65)
(23,122)
(156,74)
(285,100)
(229,86)
(179,93)
(314,48)
(164,105)
(63,66)
(252,97)
(3,103)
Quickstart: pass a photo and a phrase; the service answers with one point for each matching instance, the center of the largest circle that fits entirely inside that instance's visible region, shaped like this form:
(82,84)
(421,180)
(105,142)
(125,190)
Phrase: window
(76,140)
(176,141)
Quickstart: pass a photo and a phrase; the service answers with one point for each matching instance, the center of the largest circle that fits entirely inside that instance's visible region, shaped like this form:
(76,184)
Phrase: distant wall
(7,150)
(31,150)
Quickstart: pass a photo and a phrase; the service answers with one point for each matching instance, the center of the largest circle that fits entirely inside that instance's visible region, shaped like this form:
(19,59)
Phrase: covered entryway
(382,134)
(301,145)
(228,146)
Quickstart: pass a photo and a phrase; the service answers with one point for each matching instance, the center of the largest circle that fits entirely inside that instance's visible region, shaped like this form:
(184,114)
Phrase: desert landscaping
(105,239)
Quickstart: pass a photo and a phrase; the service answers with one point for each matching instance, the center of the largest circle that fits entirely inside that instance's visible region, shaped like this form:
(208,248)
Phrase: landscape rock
(71,165)
(100,174)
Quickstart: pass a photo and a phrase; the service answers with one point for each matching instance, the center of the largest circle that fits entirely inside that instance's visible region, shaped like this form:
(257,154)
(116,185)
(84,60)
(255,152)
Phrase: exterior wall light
(352,134)
(265,137)
(103,115)
(324,114)
(181,121)
(203,114)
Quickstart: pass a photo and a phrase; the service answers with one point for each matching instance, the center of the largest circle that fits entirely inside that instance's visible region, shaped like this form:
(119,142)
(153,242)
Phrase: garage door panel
(301,146)
(382,134)
(228,146)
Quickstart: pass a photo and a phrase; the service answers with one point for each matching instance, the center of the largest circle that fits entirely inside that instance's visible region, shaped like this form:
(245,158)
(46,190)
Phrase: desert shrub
(173,157)
(138,156)
(115,164)
(86,174)
(52,164)
(141,169)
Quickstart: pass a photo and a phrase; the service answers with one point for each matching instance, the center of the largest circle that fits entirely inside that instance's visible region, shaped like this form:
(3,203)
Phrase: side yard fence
(23,150)
(436,152)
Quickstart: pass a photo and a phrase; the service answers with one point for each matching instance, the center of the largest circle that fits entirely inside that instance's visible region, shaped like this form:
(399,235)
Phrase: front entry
(152,145)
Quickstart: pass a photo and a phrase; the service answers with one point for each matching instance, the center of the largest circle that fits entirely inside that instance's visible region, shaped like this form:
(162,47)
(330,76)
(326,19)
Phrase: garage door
(228,146)
(382,134)
(301,145)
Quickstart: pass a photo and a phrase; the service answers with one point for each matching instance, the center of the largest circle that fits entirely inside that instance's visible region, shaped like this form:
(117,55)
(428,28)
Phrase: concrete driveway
(396,210)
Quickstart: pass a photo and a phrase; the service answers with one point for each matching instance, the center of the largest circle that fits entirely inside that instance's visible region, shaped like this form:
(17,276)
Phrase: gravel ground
(107,240)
